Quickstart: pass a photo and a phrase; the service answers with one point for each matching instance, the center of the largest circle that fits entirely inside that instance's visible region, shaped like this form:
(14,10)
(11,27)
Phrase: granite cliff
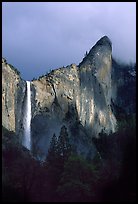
(13,96)
(83,98)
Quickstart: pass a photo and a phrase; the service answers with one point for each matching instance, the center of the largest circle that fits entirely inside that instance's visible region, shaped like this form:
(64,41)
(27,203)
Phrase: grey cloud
(42,36)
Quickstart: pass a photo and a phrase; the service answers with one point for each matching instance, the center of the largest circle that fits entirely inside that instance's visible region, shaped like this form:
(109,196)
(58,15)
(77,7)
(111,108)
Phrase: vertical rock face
(124,87)
(54,98)
(95,88)
(13,93)
(79,97)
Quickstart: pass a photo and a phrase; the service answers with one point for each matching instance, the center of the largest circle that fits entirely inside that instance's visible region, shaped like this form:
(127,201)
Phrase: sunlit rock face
(13,93)
(77,96)
(54,104)
(83,98)
(95,89)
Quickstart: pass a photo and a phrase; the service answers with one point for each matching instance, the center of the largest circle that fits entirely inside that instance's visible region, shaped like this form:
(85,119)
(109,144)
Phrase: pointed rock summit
(102,48)
(97,65)
(77,97)
(104,41)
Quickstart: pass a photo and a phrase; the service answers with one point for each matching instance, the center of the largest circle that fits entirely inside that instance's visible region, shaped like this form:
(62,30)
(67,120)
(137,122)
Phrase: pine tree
(59,149)
(64,147)
(86,54)
(52,152)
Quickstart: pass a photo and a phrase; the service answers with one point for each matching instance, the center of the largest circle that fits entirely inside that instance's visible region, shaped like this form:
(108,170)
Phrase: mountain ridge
(79,97)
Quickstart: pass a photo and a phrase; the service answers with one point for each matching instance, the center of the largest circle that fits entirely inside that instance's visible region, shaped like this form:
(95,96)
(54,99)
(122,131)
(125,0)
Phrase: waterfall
(27,119)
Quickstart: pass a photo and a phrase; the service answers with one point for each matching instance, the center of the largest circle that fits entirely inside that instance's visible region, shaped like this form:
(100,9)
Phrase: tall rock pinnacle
(78,97)
(103,48)
(104,41)
(98,62)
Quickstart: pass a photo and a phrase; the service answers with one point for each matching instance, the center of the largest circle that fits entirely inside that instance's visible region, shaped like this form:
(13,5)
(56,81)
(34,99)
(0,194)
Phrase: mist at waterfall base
(27,118)
(51,127)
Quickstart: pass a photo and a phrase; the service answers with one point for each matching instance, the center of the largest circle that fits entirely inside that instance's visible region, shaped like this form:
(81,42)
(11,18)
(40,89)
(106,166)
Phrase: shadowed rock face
(79,97)
(95,86)
(124,87)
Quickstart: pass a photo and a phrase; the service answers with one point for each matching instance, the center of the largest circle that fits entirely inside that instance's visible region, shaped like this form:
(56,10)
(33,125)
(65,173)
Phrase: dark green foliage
(50,71)
(40,77)
(66,176)
(86,54)
(52,152)
(118,152)
(77,180)
(17,169)
(58,154)
(63,146)
(70,176)
(9,138)
(34,79)
(127,121)
(60,148)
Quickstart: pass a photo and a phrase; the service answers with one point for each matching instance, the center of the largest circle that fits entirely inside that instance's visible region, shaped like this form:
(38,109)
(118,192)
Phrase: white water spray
(27,119)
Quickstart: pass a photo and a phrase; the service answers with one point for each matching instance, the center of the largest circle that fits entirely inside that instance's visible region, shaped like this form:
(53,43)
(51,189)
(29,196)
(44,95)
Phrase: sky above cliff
(37,37)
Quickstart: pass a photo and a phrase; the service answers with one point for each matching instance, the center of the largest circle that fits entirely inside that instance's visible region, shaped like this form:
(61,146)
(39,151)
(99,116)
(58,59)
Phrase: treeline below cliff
(67,176)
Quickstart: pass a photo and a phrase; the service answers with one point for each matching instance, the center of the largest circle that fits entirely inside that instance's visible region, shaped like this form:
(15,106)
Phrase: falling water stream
(27,119)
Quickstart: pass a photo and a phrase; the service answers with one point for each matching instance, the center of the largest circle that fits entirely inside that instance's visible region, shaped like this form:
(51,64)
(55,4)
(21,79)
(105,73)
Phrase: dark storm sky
(37,37)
